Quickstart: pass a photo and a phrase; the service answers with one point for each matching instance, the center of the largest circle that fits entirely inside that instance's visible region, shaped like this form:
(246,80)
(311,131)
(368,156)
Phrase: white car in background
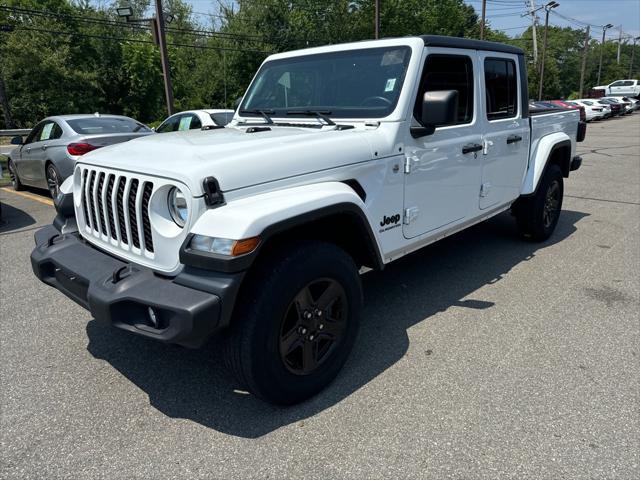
(592,109)
(628,88)
(207,119)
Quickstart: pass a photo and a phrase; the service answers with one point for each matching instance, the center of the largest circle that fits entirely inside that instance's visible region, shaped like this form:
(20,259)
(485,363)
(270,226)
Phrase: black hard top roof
(470,44)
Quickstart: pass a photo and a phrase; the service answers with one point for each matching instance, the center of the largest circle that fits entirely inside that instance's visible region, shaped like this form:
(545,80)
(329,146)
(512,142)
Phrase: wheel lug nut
(318,313)
(302,330)
(307,315)
(311,337)
(320,327)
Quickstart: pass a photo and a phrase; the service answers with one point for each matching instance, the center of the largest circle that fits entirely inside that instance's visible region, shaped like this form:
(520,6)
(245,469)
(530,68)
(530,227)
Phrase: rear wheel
(13,174)
(53,180)
(537,216)
(296,322)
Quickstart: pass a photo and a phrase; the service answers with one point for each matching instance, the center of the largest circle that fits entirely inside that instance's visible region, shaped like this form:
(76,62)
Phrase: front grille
(116,208)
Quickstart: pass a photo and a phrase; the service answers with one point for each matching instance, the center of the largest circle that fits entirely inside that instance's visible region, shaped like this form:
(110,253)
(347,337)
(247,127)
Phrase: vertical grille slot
(103,226)
(120,207)
(133,220)
(146,224)
(85,207)
(112,226)
(92,207)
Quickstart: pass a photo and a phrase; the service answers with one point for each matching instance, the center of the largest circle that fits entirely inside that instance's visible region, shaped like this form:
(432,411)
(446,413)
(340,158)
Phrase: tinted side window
(501,88)
(169,125)
(186,122)
(34,135)
(195,123)
(56,132)
(221,119)
(619,83)
(448,72)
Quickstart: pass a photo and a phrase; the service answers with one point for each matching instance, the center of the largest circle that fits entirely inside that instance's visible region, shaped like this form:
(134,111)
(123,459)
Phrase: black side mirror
(439,107)
(236,104)
(17,140)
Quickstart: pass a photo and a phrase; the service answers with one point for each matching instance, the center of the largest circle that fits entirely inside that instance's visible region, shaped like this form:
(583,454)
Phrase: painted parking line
(31,196)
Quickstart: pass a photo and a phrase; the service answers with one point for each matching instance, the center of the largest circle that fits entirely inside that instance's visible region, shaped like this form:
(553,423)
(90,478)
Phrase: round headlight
(178,206)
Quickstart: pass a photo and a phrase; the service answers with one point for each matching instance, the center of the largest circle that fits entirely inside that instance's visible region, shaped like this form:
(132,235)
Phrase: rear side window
(221,119)
(501,86)
(104,125)
(448,72)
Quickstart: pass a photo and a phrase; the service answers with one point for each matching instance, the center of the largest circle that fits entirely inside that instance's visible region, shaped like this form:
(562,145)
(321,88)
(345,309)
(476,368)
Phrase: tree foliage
(70,56)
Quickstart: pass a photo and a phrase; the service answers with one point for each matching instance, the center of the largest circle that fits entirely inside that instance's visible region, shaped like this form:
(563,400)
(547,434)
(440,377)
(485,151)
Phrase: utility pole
(604,29)
(547,9)
(585,50)
(377,19)
(619,43)
(160,39)
(166,70)
(534,24)
(633,51)
(484,15)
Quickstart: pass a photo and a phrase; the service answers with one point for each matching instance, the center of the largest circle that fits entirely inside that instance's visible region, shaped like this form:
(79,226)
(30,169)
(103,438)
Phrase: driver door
(442,170)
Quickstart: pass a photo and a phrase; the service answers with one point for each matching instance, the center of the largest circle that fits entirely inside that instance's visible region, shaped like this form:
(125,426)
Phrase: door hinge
(484,189)
(408,162)
(410,214)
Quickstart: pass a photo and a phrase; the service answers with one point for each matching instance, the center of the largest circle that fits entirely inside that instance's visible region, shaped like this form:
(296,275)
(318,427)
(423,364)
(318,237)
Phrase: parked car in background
(566,104)
(49,153)
(616,108)
(626,106)
(629,88)
(196,119)
(633,104)
(592,110)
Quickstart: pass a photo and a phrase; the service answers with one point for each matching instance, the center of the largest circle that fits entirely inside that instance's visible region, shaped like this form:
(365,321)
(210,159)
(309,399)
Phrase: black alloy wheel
(551,205)
(313,326)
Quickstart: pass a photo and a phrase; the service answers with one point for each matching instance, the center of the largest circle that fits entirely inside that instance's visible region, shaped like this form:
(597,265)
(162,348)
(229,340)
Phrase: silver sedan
(48,154)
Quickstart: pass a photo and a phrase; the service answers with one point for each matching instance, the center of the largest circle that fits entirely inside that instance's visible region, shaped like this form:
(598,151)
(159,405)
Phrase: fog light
(153,317)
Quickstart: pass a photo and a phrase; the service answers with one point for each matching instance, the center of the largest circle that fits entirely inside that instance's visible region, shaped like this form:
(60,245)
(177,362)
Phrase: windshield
(350,84)
(95,125)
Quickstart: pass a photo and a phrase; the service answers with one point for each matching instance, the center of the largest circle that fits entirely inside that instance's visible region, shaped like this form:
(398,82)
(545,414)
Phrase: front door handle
(471,147)
(44,147)
(514,138)
(28,149)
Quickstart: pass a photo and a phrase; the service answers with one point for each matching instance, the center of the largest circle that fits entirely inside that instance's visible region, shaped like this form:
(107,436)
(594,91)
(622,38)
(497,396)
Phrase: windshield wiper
(314,113)
(264,113)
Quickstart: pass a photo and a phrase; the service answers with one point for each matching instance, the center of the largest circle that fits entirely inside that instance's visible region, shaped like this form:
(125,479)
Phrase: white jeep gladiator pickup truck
(338,158)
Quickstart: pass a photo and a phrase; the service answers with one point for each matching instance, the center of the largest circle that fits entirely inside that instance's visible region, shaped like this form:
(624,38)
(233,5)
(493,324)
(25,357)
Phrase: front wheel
(296,322)
(16,184)
(537,216)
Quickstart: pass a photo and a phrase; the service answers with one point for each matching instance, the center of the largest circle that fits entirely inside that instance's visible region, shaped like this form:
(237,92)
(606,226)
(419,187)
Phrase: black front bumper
(187,308)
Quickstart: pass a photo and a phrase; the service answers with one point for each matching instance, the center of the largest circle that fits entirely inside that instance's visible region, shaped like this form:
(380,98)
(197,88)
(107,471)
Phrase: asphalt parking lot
(482,356)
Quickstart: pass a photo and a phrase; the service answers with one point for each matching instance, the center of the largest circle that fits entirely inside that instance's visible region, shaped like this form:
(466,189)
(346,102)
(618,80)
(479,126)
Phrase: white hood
(234,157)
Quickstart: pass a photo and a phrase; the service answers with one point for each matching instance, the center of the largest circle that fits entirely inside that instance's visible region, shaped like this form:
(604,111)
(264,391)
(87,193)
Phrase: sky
(505,14)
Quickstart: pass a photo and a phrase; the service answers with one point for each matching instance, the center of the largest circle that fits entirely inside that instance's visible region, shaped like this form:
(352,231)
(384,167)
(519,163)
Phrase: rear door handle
(514,138)
(471,147)
(44,147)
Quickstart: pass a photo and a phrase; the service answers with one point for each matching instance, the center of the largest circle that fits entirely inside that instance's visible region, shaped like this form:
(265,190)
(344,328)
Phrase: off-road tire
(537,215)
(255,343)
